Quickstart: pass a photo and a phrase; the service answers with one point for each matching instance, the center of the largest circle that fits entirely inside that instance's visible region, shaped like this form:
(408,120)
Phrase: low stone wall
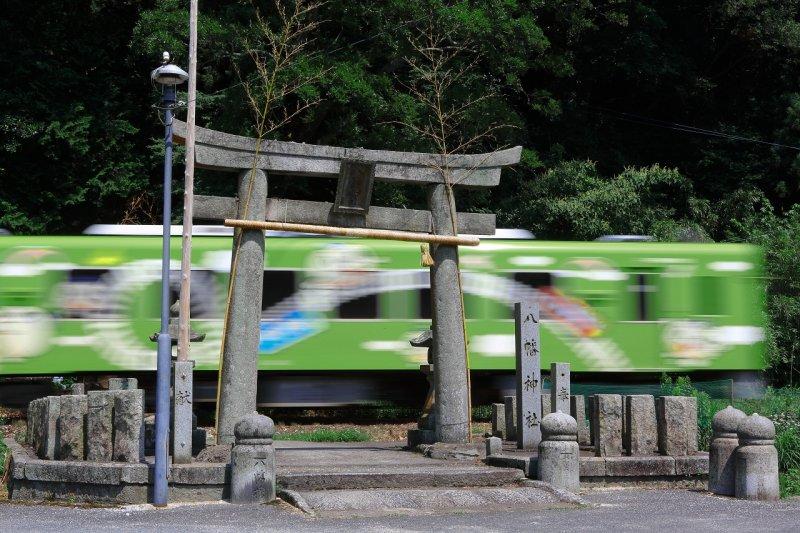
(31,478)
(620,469)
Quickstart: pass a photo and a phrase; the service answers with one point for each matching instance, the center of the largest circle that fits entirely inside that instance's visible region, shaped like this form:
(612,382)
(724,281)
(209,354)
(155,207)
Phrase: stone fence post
(757,460)
(559,455)
(253,460)
(677,425)
(721,456)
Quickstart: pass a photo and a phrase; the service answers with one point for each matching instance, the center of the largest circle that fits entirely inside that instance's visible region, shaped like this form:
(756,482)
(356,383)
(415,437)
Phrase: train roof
(200,230)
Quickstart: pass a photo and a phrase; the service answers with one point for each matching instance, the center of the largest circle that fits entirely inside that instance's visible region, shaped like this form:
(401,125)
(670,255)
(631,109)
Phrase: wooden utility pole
(188,192)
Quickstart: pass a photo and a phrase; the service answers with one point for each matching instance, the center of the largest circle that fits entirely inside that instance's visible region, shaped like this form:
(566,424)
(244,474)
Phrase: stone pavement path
(341,465)
(617,510)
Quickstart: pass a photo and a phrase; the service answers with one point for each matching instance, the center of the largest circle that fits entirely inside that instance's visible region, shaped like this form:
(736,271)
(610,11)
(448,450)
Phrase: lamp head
(168,74)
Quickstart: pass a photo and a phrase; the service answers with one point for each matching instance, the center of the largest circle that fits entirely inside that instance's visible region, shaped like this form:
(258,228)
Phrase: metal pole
(160,495)
(188,192)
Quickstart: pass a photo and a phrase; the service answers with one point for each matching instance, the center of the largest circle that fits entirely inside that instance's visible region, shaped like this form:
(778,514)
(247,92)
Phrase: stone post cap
(756,430)
(726,421)
(559,426)
(254,429)
(423,340)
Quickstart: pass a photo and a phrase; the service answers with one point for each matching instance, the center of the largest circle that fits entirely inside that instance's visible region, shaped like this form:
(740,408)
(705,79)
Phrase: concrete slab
(327,466)
(382,502)
(610,510)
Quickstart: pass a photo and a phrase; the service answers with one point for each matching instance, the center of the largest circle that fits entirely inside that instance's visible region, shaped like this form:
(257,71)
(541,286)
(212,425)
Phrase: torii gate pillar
(447,313)
(239,378)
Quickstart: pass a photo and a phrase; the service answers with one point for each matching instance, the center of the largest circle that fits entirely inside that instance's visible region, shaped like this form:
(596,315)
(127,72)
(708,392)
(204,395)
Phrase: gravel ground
(611,510)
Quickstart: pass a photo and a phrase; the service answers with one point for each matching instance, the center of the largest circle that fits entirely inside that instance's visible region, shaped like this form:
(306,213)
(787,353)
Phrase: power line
(649,121)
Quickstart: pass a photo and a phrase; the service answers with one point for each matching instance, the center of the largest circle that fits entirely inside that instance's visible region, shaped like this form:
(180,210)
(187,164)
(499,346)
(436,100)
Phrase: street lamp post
(168,76)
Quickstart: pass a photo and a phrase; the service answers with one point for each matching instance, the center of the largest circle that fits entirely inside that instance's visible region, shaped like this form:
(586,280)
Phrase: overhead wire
(675,126)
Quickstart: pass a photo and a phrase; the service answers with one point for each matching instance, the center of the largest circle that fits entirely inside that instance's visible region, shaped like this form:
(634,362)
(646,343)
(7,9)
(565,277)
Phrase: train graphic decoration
(88,303)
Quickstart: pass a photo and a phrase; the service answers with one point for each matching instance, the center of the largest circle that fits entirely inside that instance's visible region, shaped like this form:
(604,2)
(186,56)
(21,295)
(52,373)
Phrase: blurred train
(338,313)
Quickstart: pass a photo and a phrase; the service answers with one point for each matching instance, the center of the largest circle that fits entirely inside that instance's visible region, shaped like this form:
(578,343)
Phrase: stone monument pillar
(559,387)
(182,426)
(529,375)
(253,460)
(756,460)
(721,456)
(238,382)
(559,455)
(449,345)
(510,409)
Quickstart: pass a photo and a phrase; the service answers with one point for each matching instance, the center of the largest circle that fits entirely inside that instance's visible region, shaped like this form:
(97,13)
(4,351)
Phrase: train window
(278,285)
(531,280)
(710,295)
(534,279)
(86,275)
(640,289)
(363,307)
(84,294)
(425,303)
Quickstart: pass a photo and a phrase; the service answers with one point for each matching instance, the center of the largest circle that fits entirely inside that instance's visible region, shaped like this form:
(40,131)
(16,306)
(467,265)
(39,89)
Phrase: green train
(346,309)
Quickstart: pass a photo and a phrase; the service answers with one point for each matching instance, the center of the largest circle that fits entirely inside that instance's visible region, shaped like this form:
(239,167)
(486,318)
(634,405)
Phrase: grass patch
(788,444)
(482,413)
(3,456)
(790,483)
(325,435)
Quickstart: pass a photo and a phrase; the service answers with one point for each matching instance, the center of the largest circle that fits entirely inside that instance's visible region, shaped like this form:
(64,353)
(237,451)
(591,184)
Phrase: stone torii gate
(355,169)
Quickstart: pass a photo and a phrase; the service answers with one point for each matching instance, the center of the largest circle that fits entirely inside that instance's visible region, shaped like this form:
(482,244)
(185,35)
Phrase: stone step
(397,477)
(388,501)
(596,468)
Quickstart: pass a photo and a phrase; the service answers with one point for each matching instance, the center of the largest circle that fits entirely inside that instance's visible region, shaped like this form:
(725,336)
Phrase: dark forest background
(678,119)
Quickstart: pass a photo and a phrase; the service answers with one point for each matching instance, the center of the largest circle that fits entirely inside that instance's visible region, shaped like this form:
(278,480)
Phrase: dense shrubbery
(780,238)
(573,200)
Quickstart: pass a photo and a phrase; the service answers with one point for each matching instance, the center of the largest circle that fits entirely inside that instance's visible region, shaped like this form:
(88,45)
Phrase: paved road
(611,510)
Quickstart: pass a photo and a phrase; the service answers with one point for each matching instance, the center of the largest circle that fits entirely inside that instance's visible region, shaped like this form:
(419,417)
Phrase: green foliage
(60,384)
(325,435)
(3,457)
(780,238)
(787,441)
(573,200)
(789,483)
(482,413)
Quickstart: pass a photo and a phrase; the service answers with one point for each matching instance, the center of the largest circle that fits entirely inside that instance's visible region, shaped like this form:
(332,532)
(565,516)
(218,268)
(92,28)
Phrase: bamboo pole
(188,192)
(390,235)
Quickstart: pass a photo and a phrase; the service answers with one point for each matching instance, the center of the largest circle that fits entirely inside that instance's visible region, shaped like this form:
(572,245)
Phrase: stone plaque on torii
(355,169)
